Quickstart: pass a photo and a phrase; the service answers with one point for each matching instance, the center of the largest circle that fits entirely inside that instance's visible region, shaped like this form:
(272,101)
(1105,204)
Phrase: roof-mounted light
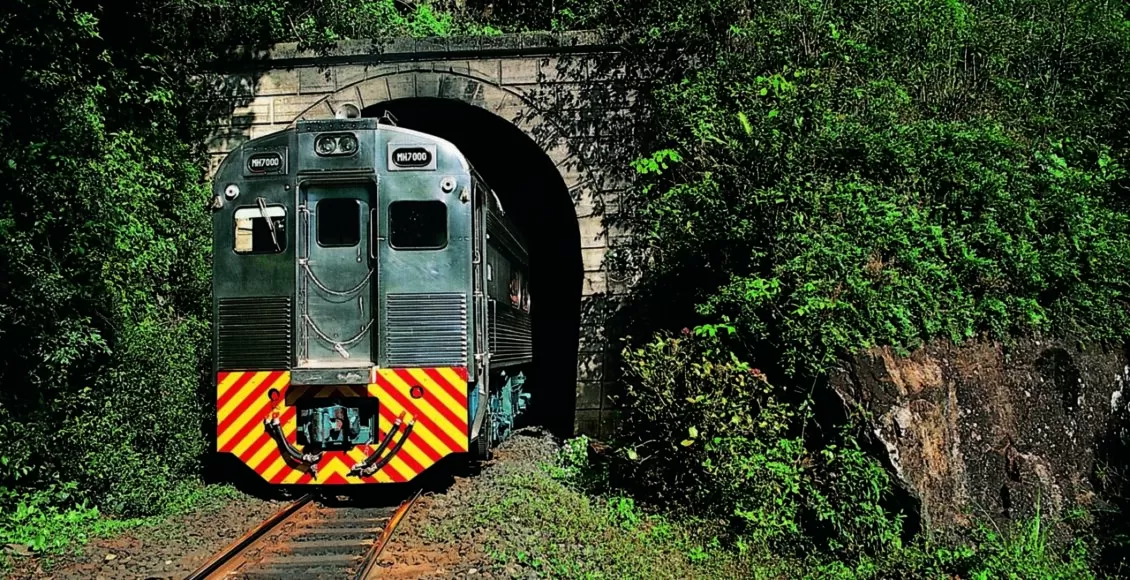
(335,144)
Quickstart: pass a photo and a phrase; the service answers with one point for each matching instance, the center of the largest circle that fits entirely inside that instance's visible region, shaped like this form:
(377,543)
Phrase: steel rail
(370,561)
(236,547)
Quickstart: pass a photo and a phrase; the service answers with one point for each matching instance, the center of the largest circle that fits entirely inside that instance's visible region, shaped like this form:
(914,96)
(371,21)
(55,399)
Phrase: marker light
(336,144)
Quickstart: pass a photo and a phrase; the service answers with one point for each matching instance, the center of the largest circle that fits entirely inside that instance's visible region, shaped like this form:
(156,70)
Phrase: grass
(531,521)
(39,525)
(541,518)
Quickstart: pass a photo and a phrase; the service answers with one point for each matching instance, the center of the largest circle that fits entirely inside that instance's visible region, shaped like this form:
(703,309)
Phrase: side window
(339,222)
(417,225)
(256,233)
(525,295)
(515,288)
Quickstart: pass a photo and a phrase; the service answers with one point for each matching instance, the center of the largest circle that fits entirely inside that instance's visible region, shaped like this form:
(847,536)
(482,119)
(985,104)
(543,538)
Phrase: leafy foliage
(716,438)
(880,172)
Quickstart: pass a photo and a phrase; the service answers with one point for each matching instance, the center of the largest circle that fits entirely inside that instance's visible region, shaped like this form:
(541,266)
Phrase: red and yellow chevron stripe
(243,401)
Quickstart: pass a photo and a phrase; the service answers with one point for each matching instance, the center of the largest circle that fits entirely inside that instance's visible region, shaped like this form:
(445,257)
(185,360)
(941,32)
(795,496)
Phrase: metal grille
(426,330)
(510,336)
(255,333)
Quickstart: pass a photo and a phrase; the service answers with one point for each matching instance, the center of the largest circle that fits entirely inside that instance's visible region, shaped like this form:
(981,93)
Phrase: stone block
(264,130)
(590,395)
(588,422)
(350,74)
(592,337)
(289,109)
(519,71)
(315,79)
(276,82)
(590,366)
(374,90)
(593,259)
(233,87)
(464,89)
(401,86)
(594,283)
(489,70)
(427,84)
(595,203)
(593,232)
(225,139)
(431,44)
(256,112)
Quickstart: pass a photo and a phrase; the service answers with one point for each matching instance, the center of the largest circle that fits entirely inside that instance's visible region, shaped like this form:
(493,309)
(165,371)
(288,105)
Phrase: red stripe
(255,396)
(450,388)
(336,479)
(462,372)
(423,419)
(419,441)
(255,447)
(265,439)
(393,474)
(232,390)
(257,421)
(459,422)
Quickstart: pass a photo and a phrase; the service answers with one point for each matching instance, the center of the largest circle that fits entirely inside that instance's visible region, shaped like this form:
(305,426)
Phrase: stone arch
(461,84)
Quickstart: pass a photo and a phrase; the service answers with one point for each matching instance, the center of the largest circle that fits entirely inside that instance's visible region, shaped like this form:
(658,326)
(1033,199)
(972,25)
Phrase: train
(371,305)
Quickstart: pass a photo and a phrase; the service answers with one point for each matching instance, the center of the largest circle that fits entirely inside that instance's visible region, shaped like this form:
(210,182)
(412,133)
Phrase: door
(336,277)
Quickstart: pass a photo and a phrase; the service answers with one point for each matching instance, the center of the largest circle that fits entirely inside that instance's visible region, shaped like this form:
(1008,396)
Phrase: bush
(703,431)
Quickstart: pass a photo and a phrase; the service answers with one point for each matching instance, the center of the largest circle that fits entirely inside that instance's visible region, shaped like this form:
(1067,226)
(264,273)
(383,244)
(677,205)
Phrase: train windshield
(417,225)
(253,233)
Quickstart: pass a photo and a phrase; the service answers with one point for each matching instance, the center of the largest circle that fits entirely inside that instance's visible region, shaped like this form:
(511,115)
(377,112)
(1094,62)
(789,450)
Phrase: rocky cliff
(983,432)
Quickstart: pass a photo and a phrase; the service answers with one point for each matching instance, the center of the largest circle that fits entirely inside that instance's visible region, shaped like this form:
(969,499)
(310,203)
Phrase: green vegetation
(528,519)
(555,517)
(712,439)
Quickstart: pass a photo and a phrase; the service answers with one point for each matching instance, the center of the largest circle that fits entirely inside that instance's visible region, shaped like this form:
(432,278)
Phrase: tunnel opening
(534,193)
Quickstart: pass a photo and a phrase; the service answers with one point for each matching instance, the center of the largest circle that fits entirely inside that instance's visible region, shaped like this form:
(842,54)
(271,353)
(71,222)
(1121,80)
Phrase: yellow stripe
(250,386)
(425,434)
(427,409)
(445,399)
(274,468)
(453,378)
(223,386)
(248,415)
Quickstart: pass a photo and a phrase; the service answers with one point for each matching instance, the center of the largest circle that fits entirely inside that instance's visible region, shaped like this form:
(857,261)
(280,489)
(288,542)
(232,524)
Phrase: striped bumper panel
(243,403)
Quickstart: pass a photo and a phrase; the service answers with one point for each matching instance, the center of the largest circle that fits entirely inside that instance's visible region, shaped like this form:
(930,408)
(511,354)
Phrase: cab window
(339,222)
(417,225)
(253,231)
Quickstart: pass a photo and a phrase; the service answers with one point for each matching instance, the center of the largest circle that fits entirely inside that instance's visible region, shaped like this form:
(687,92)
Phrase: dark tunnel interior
(532,191)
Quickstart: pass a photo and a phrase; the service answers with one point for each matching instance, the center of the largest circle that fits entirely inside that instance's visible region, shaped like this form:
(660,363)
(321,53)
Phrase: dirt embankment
(981,431)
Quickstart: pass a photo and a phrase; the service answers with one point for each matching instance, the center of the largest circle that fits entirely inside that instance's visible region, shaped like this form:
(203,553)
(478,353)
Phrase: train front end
(343,332)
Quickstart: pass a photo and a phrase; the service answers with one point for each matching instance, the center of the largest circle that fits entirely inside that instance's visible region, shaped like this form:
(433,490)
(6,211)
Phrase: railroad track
(308,539)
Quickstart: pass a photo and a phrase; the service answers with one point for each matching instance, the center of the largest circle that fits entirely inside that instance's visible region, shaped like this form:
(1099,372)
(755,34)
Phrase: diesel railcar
(371,305)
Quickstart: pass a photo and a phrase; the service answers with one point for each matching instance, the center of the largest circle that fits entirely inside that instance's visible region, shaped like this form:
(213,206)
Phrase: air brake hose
(384,443)
(275,431)
(370,470)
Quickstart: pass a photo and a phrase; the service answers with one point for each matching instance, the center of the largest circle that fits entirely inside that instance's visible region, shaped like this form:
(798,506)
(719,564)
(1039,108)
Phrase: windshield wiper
(270,223)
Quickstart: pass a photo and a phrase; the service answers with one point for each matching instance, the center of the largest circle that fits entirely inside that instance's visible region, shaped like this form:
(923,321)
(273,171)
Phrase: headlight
(336,144)
(347,144)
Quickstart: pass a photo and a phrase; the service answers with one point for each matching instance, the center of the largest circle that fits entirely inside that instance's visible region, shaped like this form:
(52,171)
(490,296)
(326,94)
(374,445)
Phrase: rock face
(978,431)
